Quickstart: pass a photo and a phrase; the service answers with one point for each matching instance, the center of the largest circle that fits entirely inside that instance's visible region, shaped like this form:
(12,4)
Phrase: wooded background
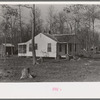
(72,19)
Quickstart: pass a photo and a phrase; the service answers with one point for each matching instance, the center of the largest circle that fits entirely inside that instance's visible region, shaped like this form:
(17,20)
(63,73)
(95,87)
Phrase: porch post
(67,48)
(57,51)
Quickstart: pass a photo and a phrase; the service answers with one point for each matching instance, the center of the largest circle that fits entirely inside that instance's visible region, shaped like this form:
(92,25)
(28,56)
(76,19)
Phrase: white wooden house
(47,45)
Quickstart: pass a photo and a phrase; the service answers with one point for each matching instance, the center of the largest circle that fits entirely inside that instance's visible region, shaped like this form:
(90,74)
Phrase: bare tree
(33,10)
(12,16)
(92,13)
(50,19)
(20,22)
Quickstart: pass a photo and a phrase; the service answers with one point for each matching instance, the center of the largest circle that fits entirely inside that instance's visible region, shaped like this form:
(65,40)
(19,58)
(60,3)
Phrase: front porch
(64,49)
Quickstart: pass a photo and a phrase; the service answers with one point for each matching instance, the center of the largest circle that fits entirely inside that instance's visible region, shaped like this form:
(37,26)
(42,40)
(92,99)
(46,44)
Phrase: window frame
(49,47)
(70,47)
(75,47)
(30,47)
(60,48)
(22,48)
(35,46)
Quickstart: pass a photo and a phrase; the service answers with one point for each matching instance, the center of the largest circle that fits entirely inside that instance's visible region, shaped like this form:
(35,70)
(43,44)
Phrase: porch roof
(64,38)
(22,43)
(8,45)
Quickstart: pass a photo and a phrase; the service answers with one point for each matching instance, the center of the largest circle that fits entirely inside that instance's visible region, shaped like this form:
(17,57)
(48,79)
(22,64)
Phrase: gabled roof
(60,38)
(50,36)
(63,38)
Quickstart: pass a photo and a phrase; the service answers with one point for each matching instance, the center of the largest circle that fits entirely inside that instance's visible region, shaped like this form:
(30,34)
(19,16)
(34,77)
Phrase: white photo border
(39,90)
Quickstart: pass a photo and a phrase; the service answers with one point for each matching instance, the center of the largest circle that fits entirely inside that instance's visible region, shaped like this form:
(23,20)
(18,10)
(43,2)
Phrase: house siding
(42,42)
(78,49)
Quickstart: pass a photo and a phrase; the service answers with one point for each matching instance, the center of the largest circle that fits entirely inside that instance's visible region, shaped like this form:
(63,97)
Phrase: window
(36,47)
(75,47)
(70,47)
(19,48)
(22,49)
(60,48)
(65,49)
(30,47)
(49,47)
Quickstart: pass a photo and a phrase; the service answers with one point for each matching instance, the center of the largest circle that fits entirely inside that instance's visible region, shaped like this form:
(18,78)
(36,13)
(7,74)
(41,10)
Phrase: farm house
(47,45)
(6,49)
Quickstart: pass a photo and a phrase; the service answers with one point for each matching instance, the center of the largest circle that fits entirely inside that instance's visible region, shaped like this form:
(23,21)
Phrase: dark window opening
(60,48)
(70,47)
(36,47)
(75,47)
(65,49)
(30,47)
(49,47)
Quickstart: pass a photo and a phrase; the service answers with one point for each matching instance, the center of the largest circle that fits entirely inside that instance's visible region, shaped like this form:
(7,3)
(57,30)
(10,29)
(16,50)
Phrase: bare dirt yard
(51,70)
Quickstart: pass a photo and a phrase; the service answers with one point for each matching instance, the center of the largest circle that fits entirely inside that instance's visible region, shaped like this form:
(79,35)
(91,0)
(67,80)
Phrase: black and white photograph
(49,42)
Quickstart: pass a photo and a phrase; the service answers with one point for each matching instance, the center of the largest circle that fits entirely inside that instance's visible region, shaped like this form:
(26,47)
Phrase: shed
(6,49)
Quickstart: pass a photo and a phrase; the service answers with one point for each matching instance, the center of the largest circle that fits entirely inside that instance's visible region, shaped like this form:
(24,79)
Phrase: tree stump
(40,60)
(67,57)
(25,73)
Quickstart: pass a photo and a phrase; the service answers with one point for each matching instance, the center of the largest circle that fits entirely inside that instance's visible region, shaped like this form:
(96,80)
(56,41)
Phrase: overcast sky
(44,10)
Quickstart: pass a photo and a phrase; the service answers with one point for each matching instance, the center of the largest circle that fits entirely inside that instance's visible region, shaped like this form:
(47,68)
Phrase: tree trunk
(33,35)
(11,38)
(93,32)
(5,48)
(20,24)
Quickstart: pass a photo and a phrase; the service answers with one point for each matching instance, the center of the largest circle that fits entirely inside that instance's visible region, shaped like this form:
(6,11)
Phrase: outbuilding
(6,49)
